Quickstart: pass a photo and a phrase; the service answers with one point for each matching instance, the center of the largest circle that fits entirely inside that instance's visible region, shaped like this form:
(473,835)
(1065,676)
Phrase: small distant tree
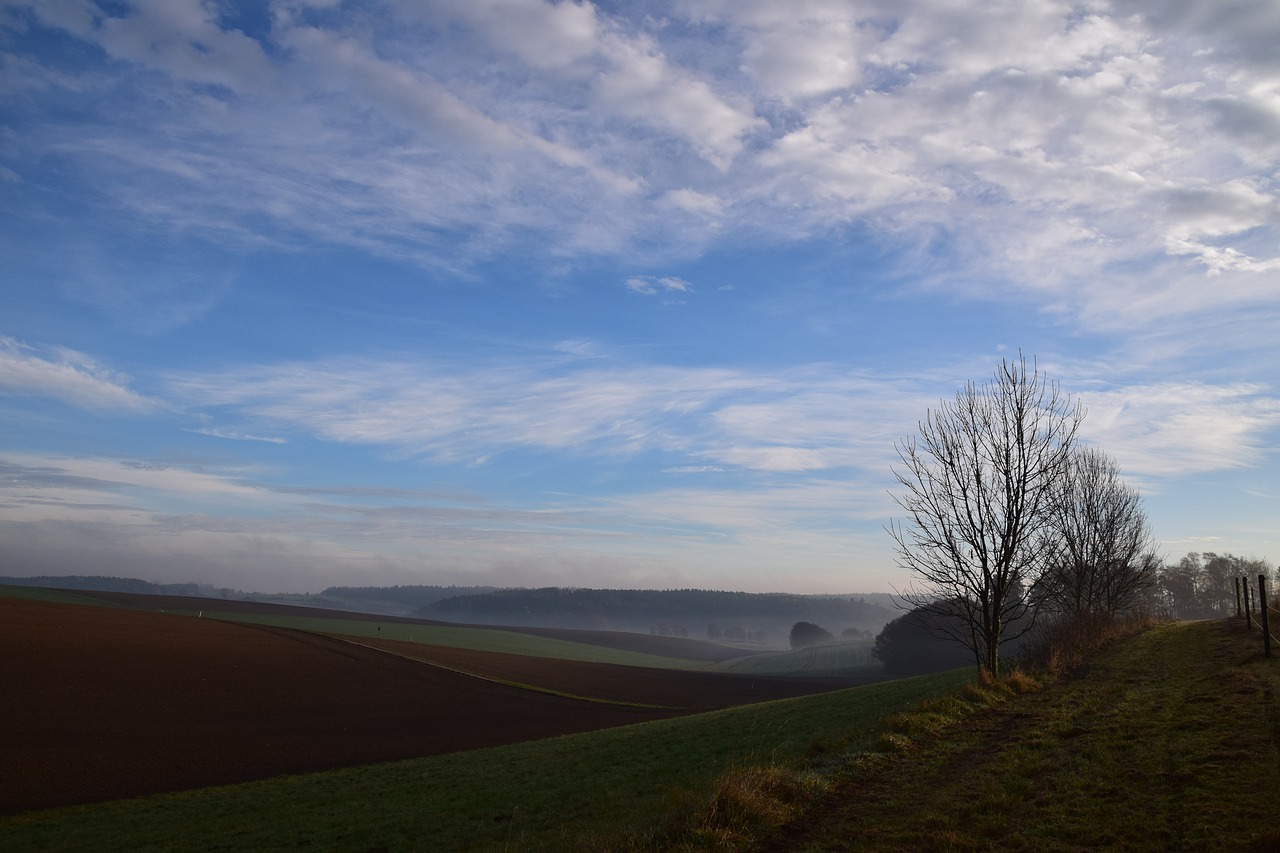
(978,488)
(809,634)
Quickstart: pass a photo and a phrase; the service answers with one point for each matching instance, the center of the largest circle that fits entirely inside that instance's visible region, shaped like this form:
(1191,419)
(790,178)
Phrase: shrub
(809,634)
(915,643)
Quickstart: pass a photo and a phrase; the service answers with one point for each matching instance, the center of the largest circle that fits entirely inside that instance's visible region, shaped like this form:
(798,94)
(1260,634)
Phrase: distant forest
(107,584)
(710,614)
(762,618)
(402,600)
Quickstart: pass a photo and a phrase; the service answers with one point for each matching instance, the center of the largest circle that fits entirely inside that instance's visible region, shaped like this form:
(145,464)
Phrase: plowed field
(102,703)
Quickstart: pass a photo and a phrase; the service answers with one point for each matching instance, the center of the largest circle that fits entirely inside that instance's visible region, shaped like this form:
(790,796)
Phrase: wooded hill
(761,618)
(102,583)
(736,616)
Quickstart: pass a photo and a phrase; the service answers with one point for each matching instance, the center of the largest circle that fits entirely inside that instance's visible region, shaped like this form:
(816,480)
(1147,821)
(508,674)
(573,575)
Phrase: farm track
(104,703)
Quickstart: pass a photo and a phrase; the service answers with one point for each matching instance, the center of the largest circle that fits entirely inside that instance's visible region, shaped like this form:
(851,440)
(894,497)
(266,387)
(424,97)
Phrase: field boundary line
(503,681)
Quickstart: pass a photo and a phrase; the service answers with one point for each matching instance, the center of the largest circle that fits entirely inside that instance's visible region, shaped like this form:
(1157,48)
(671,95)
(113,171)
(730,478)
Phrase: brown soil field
(102,703)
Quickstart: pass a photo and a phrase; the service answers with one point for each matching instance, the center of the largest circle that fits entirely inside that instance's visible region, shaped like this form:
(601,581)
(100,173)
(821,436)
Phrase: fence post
(1266,623)
(1248,606)
(1239,612)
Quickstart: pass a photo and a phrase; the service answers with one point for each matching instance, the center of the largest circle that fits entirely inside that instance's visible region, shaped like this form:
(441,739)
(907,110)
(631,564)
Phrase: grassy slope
(524,797)
(1168,742)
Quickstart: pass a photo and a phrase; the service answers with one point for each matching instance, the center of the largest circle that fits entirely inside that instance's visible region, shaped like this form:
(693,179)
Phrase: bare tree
(1102,555)
(979,484)
(1180,585)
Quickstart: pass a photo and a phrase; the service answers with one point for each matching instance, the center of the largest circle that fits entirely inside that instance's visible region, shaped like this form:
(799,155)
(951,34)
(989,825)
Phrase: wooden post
(1248,607)
(1266,623)
(1239,612)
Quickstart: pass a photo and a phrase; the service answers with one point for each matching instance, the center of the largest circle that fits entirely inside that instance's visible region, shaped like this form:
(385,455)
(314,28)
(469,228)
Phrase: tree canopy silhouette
(979,484)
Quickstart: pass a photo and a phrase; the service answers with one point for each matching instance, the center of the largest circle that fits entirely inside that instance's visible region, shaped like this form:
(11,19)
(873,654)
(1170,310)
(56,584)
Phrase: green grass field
(554,794)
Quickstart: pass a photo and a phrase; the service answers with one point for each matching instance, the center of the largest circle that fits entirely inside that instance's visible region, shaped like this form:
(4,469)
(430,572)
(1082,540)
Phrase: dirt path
(1169,743)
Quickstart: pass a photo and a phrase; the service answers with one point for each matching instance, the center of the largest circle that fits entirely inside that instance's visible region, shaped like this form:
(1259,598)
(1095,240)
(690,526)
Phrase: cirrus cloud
(69,376)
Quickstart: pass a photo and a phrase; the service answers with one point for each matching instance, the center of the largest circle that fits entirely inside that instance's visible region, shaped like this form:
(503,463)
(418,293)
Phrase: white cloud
(544,35)
(795,50)
(451,413)
(642,84)
(69,376)
(145,505)
(818,418)
(805,419)
(232,435)
(692,201)
(1172,429)
(788,465)
(1040,151)
(182,38)
(651,285)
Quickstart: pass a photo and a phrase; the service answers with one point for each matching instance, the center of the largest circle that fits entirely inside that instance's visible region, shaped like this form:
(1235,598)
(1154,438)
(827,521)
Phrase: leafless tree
(978,489)
(1102,557)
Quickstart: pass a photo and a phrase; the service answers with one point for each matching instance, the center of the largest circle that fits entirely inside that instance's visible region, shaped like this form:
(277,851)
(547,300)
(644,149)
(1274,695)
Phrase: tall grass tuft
(751,804)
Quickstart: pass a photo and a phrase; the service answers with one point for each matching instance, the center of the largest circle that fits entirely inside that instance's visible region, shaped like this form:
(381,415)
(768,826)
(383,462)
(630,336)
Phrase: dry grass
(1065,645)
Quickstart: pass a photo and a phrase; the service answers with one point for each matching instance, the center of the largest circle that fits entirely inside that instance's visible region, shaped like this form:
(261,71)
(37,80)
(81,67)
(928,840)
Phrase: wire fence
(1247,600)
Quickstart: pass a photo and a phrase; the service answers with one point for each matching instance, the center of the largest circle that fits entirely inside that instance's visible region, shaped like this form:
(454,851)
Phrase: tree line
(1202,586)
(678,612)
(1197,586)
(1011,520)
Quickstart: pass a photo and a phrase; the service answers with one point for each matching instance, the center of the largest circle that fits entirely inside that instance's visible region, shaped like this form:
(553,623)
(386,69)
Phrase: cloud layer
(1043,147)
(284,278)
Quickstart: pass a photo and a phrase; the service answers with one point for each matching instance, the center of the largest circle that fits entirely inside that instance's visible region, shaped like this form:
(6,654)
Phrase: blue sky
(629,294)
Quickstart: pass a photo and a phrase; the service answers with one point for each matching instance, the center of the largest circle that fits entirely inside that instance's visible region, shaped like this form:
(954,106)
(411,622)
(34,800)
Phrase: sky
(642,295)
